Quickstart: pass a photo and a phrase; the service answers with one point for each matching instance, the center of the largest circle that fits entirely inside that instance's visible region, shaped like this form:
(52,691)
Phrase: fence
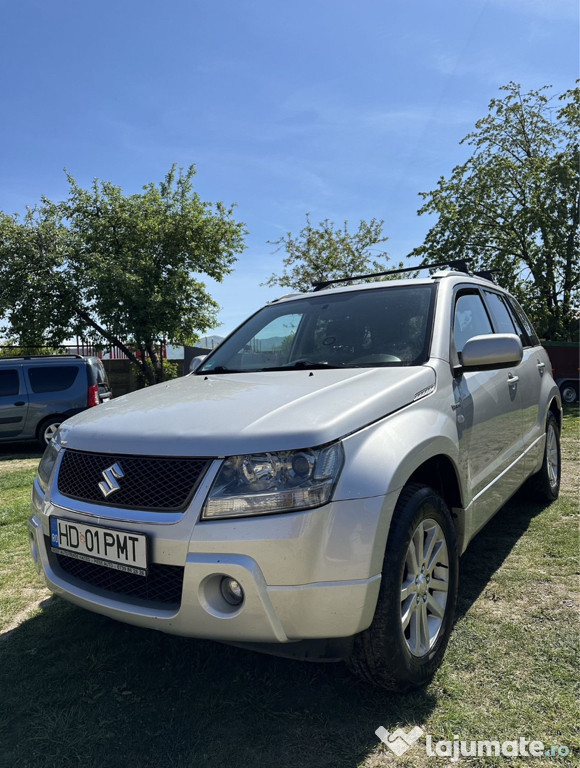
(80,348)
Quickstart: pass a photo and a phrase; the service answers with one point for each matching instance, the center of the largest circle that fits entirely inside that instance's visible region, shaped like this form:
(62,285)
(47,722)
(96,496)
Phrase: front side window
(470,319)
(52,378)
(388,326)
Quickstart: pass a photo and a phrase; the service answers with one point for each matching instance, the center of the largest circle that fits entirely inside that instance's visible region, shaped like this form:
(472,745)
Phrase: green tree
(327,253)
(118,269)
(513,206)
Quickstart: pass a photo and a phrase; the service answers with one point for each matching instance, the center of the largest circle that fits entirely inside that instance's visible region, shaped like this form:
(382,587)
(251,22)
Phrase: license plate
(122,550)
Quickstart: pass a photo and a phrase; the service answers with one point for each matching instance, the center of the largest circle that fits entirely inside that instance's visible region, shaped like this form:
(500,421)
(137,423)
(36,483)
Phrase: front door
(13,403)
(489,419)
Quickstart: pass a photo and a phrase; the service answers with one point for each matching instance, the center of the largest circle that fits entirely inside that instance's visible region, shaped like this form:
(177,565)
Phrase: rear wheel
(569,393)
(47,430)
(405,644)
(546,483)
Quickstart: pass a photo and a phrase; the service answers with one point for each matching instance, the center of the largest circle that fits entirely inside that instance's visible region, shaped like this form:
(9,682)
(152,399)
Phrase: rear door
(55,389)
(535,365)
(13,403)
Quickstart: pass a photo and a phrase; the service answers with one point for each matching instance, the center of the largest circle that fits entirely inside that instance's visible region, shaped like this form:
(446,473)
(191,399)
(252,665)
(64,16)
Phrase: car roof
(451,275)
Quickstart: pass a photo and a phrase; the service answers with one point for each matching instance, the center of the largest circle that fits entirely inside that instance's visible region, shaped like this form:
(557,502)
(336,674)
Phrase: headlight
(285,481)
(48,461)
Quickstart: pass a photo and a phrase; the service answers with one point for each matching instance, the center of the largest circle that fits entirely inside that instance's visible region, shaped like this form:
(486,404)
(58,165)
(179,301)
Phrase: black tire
(47,428)
(546,482)
(569,393)
(382,653)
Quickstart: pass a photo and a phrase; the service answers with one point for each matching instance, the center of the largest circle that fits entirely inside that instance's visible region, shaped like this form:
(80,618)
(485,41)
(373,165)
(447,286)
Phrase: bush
(170,371)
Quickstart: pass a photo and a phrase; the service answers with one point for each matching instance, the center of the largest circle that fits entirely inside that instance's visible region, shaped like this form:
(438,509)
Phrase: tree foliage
(513,206)
(114,268)
(328,253)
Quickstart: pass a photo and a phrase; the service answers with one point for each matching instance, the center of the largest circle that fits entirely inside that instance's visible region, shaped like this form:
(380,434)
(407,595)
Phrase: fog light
(232,591)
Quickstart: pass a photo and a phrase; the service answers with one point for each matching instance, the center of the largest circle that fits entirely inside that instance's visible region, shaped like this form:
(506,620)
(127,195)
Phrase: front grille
(163,583)
(143,482)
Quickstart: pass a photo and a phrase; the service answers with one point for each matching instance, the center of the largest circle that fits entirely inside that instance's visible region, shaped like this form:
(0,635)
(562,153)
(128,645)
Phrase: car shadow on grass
(29,449)
(492,545)
(80,689)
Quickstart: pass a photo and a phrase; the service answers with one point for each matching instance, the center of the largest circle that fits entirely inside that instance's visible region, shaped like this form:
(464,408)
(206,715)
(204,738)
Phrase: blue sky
(343,109)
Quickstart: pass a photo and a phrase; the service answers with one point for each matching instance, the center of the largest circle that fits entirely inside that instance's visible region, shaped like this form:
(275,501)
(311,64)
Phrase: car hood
(229,414)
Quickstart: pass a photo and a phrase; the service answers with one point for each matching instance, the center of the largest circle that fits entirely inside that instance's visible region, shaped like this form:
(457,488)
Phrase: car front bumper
(305,575)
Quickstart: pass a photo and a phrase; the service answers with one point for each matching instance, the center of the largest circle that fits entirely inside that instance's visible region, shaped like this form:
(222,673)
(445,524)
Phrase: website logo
(399,741)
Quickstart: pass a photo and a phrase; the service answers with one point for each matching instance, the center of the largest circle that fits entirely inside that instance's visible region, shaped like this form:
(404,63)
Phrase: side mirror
(493,350)
(196,362)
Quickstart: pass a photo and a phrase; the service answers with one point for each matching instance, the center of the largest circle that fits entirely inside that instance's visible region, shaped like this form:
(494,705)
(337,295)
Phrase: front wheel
(406,641)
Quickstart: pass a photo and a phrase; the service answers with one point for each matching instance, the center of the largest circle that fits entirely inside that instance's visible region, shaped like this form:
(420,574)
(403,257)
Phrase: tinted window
(101,373)
(379,327)
(9,384)
(52,378)
(502,320)
(521,315)
(470,319)
(96,370)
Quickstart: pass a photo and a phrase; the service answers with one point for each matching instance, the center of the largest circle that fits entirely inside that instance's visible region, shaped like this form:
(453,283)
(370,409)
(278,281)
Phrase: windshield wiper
(299,364)
(218,369)
(303,364)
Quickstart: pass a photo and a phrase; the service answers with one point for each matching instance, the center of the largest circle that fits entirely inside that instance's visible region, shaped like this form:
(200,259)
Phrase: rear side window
(9,382)
(522,317)
(500,314)
(52,378)
(101,373)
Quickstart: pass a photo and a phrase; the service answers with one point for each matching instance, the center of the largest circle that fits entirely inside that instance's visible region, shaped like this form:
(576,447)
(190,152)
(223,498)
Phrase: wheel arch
(556,409)
(440,473)
(42,424)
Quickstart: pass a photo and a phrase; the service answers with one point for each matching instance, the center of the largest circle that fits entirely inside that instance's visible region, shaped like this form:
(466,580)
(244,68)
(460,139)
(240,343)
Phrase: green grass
(77,689)
(19,584)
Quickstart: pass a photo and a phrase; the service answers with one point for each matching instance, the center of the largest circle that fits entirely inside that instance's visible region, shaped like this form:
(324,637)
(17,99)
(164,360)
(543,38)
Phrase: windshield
(388,326)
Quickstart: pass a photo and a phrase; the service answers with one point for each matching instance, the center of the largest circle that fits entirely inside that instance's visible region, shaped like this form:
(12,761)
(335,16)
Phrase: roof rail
(486,274)
(458,264)
(38,357)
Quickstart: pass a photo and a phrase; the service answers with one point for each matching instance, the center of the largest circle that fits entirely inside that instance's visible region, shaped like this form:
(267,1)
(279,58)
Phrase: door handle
(512,379)
(20,402)
(540,367)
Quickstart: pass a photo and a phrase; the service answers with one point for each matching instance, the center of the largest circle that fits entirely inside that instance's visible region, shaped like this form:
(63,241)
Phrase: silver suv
(309,489)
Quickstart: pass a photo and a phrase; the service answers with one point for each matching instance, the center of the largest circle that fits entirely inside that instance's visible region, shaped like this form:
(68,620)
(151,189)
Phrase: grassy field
(79,690)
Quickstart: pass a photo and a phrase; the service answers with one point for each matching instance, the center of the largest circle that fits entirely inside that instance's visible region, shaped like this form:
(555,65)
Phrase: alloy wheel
(424,587)
(50,432)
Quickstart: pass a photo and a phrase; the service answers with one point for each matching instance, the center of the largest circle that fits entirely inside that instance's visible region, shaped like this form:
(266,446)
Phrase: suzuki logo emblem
(111,475)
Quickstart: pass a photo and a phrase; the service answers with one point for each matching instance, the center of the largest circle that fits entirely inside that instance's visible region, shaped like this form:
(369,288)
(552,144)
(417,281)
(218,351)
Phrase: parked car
(309,489)
(565,360)
(37,393)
